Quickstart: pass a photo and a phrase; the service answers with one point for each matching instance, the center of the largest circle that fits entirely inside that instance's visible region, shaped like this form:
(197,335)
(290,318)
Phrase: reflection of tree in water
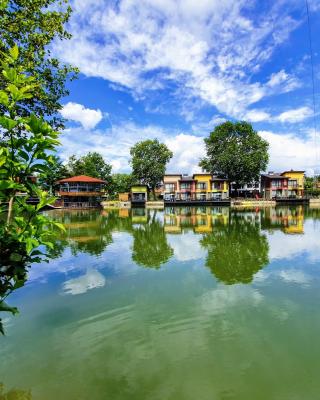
(150,246)
(86,231)
(14,264)
(236,252)
(14,394)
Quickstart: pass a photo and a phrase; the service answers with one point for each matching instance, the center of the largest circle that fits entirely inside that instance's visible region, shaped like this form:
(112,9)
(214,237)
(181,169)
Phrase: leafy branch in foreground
(25,144)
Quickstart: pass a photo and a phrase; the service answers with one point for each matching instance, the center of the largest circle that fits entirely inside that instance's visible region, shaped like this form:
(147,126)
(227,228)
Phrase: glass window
(169,187)
(202,185)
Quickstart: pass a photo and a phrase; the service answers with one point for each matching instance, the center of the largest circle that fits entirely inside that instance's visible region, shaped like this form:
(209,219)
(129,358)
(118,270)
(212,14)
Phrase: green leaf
(7,123)
(10,185)
(4,99)
(14,52)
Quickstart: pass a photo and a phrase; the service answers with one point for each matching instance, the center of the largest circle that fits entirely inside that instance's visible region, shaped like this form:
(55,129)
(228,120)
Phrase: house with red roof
(80,191)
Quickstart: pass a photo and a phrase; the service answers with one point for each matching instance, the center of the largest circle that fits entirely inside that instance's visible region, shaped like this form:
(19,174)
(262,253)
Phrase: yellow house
(295,182)
(209,187)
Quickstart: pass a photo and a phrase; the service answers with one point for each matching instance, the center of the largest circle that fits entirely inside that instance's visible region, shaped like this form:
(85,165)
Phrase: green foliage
(237,251)
(35,25)
(149,160)
(92,164)
(25,144)
(120,183)
(14,394)
(235,151)
(150,247)
(56,170)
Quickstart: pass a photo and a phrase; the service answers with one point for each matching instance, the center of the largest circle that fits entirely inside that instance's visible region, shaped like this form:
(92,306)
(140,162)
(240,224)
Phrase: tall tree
(91,164)
(34,25)
(149,159)
(235,151)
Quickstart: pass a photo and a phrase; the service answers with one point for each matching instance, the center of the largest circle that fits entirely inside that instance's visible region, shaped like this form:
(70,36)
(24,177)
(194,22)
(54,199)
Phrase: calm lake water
(182,304)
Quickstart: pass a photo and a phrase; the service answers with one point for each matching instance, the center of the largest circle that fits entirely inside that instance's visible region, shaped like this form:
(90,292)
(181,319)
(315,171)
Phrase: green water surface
(182,303)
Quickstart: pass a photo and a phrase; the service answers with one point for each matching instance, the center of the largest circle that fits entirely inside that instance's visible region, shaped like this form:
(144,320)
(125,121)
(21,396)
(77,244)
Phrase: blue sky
(174,69)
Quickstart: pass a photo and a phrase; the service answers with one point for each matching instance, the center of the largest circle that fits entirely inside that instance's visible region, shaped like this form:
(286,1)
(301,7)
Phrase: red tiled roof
(81,178)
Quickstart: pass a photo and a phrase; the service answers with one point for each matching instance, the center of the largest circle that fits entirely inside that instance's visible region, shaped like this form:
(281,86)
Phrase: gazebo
(80,191)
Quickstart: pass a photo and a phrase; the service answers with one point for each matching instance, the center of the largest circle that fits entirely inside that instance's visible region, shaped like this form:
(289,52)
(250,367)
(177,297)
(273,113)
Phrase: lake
(184,303)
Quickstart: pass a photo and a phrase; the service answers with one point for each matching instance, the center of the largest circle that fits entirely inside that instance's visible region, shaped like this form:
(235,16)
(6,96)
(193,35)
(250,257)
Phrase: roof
(186,178)
(274,176)
(81,178)
(288,172)
(219,178)
(172,175)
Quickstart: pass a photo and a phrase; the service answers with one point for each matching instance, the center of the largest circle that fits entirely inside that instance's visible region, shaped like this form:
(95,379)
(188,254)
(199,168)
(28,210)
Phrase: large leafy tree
(149,159)
(235,151)
(34,25)
(91,164)
(26,145)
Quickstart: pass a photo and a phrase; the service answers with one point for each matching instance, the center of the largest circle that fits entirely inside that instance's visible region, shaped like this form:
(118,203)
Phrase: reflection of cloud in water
(67,263)
(294,276)
(223,298)
(91,280)
(287,275)
(186,246)
(284,246)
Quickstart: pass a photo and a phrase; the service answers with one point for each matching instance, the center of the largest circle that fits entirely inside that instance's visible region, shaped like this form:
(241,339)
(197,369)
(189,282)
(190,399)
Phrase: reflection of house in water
(139,215)
(289,220)
(200,219)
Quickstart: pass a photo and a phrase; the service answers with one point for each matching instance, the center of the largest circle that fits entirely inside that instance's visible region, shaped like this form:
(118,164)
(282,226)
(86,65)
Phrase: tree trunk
(10,208)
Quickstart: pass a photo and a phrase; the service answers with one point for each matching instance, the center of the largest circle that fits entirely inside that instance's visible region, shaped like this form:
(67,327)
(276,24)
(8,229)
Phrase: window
(202,185)
(217,185)
(169,187)
(276,183)
(184,186)
(293,183)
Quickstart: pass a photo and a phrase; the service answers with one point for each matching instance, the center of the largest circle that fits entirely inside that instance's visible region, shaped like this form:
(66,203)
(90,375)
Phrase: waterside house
(198,187)
(288,184)
(139,195)
(80,192)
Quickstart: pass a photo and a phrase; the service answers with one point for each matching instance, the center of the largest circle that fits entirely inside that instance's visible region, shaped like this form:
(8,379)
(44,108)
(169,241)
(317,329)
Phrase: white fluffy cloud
(291,151)
(210,49)
(286,150)
(115,145)
(87,117)
(295,115)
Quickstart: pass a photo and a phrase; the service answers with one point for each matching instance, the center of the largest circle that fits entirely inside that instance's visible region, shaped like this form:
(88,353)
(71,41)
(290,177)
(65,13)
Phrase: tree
(35,25)
(56,171)
(149,160)
(120,183)
(25,146)
(92,164)
(235,151)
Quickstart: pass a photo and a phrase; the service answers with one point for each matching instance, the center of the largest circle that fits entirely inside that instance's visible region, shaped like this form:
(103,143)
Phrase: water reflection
(14,394)
(150,245)
(234,244)
(237,250)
